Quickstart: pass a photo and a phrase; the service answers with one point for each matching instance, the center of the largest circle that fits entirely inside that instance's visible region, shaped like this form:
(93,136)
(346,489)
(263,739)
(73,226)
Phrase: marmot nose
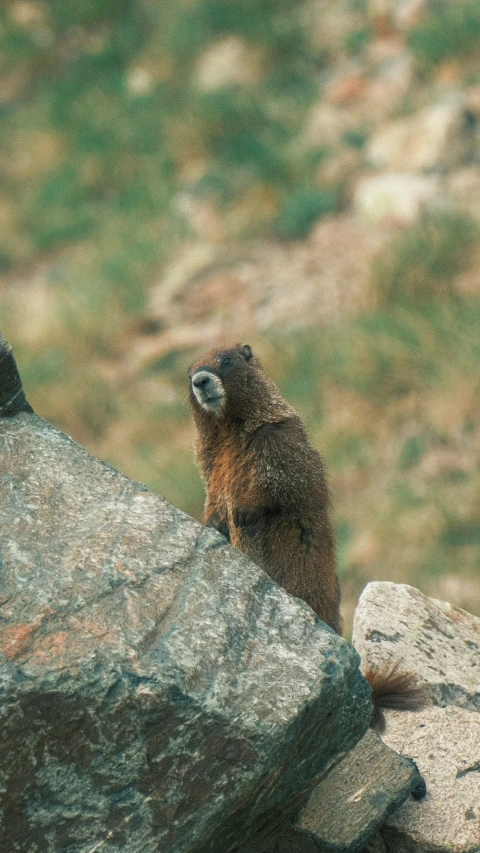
(200,380)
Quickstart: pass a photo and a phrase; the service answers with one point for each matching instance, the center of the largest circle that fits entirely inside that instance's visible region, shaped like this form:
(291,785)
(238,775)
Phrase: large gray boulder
(158,692)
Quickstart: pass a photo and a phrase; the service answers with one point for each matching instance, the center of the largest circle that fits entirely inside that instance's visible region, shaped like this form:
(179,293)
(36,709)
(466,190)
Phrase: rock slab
(158,692)
(355,799)
(440,643)
(349,804)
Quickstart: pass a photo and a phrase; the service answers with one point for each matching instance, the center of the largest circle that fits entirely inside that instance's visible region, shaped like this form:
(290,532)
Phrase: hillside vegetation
(302,176)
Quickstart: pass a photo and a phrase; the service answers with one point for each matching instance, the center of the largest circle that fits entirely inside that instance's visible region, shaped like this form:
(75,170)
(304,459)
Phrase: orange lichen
(15,639)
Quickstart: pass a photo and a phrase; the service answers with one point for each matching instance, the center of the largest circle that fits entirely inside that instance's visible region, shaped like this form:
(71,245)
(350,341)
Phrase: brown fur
(266,485)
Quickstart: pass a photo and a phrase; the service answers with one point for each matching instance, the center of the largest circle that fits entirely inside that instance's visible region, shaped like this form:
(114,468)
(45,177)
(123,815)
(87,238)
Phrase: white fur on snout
(211,393)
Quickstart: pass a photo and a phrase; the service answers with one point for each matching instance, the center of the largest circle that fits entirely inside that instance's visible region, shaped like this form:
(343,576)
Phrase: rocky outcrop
(252,288)
(158,691)
(441,645)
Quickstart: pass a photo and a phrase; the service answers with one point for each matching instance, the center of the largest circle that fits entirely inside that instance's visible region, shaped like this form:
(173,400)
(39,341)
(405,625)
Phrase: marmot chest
(236,473)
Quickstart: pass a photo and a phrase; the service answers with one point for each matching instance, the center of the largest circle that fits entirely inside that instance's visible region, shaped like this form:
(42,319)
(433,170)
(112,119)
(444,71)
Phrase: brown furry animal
(266,491)
(266,486)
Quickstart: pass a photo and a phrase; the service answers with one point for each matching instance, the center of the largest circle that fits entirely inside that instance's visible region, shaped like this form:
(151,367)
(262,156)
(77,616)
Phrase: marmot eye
(226,362)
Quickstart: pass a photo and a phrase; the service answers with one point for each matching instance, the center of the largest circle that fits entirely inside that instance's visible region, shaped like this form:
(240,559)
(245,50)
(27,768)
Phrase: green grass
(358,40)
(302,209)
(450,30)
(412,452)
(391,400)
(423,261)
(85,159)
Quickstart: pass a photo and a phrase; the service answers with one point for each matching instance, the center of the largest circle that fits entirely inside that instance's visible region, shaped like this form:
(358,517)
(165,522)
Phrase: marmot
(266,485)
(267,492)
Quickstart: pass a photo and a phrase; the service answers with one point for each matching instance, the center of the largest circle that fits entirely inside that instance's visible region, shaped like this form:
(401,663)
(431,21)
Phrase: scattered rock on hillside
(327,124)
(228,62)
(445,744)
(439,137)
(395,197)
(330,22)
(158,691)
(206,292)
(389,86)
(408,13)
(339,168)
(440,643)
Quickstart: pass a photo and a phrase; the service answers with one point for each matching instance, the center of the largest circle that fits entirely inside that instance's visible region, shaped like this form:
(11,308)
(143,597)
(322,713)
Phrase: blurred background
(302,176)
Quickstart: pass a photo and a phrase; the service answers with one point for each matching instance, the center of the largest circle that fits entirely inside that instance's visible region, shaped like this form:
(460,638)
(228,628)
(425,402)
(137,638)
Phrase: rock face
(441,645)
(158,691)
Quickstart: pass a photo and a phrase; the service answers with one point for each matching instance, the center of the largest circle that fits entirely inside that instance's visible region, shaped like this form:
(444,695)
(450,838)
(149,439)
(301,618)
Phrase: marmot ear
(247,351)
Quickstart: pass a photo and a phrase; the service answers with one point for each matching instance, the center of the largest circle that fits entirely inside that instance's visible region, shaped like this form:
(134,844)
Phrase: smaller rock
(397,197)
(440,643)
(355,798)
(445,743)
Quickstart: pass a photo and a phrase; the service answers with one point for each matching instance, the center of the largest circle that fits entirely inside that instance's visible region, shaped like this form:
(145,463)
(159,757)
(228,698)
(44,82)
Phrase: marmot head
(229,386)
(220,377)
